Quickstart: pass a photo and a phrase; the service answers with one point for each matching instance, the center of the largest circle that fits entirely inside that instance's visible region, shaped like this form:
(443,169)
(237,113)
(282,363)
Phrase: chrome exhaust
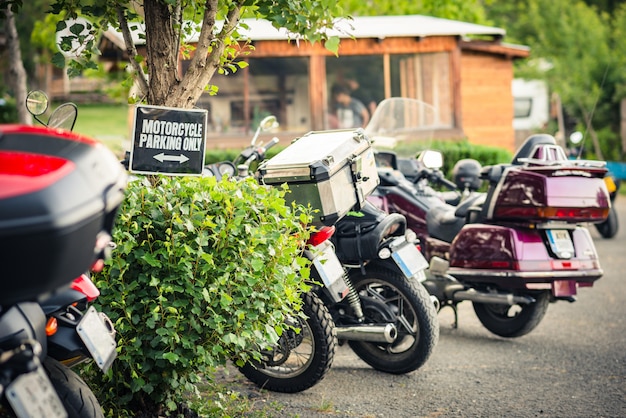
(373,333)
(484,297)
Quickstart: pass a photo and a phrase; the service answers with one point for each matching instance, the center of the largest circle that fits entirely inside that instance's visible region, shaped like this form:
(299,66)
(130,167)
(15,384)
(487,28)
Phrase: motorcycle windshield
(402,119)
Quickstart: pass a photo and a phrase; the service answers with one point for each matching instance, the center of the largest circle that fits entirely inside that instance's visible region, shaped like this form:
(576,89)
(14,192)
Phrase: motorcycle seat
(473,202)
(442,222)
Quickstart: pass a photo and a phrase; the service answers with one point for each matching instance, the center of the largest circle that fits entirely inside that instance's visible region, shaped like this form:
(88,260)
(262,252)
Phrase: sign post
(168,141)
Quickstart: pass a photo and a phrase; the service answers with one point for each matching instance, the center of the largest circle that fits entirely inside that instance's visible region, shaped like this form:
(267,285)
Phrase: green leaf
(332,44)
(58,60)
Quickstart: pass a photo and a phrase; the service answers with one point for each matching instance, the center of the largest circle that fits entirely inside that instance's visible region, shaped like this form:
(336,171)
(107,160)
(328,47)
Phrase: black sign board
(168,141)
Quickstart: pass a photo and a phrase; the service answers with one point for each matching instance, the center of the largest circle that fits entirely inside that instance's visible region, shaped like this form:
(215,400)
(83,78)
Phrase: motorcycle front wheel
(300,359)
(387,296)
(512,321)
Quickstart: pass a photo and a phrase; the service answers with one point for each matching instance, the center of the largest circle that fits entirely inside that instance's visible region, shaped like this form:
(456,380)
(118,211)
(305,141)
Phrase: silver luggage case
(333,171)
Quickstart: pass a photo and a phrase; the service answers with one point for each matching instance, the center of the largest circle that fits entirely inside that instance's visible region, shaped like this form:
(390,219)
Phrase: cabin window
(276,86)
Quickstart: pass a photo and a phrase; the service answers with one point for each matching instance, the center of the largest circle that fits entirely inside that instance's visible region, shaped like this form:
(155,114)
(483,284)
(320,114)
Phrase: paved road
(572,365)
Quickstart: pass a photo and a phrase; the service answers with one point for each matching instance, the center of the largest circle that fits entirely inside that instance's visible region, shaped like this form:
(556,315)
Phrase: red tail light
(542,213)
(84,285)
(574,213)
(320,236)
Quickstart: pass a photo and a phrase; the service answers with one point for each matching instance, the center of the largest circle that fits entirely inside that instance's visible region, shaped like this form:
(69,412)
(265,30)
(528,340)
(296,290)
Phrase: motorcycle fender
(24,321)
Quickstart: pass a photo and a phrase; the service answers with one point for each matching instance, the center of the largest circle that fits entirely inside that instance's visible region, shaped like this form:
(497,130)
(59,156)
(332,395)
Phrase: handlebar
(435,176)
(447,183)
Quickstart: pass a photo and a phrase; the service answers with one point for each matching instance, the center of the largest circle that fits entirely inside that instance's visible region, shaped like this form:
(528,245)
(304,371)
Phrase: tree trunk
(161,51)
(16,69)
(623,125)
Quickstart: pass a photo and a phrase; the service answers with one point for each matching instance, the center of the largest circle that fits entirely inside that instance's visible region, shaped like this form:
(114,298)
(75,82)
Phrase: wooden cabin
(463,70)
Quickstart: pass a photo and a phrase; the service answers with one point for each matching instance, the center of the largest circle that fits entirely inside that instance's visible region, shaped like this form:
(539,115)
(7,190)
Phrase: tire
(513,321)
(77,398)
(387,296)
(300,360)
(609,228)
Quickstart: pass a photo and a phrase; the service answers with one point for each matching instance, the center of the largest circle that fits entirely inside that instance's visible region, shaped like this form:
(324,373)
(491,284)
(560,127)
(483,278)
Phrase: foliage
(203,272)
(464,10)
(579,50)
(214,25)
(454,151)
(8,110)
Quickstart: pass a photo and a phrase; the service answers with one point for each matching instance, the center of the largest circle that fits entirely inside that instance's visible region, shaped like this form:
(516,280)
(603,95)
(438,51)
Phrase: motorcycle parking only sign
(168,141)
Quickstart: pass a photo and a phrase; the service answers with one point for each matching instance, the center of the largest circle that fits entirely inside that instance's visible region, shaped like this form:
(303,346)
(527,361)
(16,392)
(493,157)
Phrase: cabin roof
(379,27)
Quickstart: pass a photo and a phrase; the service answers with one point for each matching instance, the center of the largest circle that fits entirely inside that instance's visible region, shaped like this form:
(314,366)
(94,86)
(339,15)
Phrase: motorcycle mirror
(267,123)
(576,137)
(431,159)
(64,117)
(37,102)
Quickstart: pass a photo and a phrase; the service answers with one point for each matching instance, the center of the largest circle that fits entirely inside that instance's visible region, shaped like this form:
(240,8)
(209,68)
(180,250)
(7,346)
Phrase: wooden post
(318,99)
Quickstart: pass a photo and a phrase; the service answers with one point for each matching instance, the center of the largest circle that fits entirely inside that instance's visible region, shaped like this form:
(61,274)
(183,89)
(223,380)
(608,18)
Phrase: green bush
(8,110)
(454,151)
(204,272)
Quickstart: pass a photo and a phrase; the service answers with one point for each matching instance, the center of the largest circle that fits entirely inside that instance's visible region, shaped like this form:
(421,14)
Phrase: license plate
(560,242)
(32,395)
(97,338)
(331,272)
(410,260)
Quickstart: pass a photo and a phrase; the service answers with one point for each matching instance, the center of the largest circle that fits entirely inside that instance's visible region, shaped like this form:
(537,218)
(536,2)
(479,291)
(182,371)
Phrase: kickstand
(455,325)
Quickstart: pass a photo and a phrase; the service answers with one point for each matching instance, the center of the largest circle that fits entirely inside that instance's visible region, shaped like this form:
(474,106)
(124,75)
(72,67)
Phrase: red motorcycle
(59,193)
(510,251)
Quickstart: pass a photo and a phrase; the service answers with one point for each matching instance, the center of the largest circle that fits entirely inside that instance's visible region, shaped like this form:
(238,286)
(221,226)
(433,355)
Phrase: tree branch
(132,51)
(204,63)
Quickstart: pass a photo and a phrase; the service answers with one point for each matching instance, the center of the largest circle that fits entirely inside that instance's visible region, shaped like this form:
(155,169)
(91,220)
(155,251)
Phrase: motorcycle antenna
(593,109)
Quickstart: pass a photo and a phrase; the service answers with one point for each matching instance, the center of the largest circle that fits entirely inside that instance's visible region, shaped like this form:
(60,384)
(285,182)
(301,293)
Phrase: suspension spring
(354,300)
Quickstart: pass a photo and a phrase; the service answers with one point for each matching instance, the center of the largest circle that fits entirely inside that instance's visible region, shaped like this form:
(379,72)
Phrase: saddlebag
(332,171)
(58,192)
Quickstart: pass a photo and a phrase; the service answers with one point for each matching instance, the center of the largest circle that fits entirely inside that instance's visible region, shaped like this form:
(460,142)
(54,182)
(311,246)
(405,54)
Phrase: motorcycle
(379,308)
(510,251)
(60,193)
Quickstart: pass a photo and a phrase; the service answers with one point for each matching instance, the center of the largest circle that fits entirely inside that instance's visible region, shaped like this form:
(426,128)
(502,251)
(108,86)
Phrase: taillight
(573,214)
(320,236)
(84,285)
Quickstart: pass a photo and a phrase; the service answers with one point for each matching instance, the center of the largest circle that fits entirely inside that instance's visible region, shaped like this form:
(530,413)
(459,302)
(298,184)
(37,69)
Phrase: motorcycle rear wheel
(77,398)
(387,295)
(609,228)
(300,360)
(512,321)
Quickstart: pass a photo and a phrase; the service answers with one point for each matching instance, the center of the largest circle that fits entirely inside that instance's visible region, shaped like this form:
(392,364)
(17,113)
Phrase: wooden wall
(486,99)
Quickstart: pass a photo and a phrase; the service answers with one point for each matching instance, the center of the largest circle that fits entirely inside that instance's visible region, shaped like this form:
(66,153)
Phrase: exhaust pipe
(373,333)
(498,298)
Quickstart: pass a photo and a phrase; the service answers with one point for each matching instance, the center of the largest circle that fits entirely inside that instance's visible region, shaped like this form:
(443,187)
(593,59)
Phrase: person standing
(350,112)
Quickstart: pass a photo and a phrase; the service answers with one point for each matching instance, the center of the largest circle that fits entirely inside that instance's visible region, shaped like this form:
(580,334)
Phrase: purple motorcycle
(512,250)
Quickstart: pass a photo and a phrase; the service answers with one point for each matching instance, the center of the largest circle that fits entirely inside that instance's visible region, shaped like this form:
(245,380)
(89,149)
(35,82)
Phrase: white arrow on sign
(162,157)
